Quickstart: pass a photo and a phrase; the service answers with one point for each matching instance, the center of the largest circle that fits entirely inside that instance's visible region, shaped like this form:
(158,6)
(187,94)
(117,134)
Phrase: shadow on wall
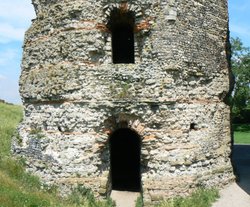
(241,163)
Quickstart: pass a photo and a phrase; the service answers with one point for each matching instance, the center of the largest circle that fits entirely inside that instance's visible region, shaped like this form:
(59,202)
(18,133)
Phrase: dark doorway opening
(125,150)
(121,25)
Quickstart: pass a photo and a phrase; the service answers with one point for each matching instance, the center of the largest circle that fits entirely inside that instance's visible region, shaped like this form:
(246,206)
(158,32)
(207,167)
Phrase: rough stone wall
(173,96)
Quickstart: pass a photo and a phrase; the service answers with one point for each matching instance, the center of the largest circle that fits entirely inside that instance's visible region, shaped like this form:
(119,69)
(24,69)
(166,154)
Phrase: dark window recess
(123,44)
(121,26)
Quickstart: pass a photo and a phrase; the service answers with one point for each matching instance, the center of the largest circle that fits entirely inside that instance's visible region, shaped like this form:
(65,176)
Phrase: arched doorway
(125,150)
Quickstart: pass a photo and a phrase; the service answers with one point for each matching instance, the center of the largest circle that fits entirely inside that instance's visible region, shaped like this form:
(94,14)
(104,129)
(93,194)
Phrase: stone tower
(128,95)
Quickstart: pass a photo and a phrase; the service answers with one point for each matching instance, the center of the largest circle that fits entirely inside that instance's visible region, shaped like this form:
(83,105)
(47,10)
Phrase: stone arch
(124,7)
(141,23)
(141,27)
(125,159)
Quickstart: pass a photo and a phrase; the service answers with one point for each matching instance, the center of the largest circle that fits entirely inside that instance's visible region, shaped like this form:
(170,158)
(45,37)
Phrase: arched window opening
(125,150)
(121,25)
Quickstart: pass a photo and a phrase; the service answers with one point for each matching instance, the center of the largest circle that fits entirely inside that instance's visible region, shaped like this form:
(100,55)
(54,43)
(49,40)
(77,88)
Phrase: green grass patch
(19,188)
(139,201)
(241,133)
(82,196)
(10,116)
(200,198)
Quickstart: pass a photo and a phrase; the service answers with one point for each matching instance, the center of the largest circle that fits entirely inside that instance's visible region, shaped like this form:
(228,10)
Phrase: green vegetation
(139,202)
(240,99)
(19,188)
(200,198)
(241,133)
(37,133)
(10,116)
(82,196)
(125,91)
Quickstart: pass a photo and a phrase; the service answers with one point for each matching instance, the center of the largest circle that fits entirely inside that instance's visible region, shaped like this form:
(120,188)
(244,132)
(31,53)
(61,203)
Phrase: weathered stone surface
(173,96)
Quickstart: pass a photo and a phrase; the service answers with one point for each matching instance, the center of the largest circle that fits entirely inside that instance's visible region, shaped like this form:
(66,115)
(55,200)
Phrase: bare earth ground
(238,194)
(124,198)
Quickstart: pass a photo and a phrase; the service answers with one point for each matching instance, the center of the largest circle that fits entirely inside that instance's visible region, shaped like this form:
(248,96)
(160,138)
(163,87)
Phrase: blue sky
(15,18)
(239,20)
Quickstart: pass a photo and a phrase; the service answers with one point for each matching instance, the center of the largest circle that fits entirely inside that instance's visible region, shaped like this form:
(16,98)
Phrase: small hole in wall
(193,126)
(45,126)
(154,107)
(59,128)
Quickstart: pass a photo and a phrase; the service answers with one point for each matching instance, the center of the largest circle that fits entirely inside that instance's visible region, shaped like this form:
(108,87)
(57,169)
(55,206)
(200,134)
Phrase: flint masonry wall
(173,97)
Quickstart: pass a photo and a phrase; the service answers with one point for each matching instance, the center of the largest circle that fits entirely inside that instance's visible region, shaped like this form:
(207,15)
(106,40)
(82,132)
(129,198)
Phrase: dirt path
(233,196)
(238,194)
(124,198)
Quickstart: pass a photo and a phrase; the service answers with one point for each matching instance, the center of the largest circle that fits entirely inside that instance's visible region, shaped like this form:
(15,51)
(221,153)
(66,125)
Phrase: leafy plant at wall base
(139,201)
(37,133)
(82,196)
(200,198)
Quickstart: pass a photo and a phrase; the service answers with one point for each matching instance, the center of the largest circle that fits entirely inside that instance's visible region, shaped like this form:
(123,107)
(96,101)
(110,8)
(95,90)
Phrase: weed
(82,196)
(139,201)
(200,198)
(17,137)
(125,91)
(38,134)
(121,90)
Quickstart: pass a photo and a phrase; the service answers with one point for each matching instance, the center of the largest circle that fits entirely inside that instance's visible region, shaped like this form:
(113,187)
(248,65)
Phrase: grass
(21,189)
(10,116)
(241,133)
(200,198)
(139,201)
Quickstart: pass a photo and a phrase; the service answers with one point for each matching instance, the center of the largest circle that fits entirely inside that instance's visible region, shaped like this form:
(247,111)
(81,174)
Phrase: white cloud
(17,11)
(15,18)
